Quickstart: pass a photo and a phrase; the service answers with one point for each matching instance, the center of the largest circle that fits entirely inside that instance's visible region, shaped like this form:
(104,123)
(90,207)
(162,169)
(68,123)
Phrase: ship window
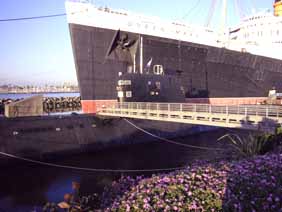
(120,94)
(124,82)
(129,69)
(15,133)
(128,94)
(158,69)
(158,85)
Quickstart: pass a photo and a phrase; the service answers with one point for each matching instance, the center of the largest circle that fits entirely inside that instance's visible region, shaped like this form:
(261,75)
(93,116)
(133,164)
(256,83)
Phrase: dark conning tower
(150,87)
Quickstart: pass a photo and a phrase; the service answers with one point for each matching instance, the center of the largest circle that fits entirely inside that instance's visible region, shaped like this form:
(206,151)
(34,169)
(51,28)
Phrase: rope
(191,10)
(88,169)
(34,17)
(211,13)
(171,141)
(37,17)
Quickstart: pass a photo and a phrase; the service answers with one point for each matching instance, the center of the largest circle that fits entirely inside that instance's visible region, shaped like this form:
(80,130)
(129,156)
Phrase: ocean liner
(115,49)
(121,56)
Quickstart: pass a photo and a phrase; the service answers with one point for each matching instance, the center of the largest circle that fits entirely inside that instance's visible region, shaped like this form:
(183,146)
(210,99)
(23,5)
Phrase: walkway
(251,117)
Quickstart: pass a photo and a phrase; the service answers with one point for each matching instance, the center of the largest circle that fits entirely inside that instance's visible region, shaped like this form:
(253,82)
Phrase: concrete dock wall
(32,106)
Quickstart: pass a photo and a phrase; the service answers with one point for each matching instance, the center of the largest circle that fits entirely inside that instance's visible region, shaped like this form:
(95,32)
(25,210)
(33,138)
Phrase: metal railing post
(210,113)
(158,110)
(147,109)
(195,110)
(121,108)
(181,109)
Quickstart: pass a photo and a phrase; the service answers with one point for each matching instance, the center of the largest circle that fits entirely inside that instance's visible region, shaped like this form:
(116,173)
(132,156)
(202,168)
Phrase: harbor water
(27,186)
(26,95)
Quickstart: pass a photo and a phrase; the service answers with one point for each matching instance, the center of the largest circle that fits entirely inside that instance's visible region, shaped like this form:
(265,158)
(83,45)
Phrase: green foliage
(210,201)
(278,131)
(252,145)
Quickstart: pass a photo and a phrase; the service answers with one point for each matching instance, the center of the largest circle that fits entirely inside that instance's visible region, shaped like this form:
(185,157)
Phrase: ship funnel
(278,8)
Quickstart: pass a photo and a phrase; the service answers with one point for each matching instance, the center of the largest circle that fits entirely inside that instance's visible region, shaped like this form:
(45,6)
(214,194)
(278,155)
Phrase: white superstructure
(259,34)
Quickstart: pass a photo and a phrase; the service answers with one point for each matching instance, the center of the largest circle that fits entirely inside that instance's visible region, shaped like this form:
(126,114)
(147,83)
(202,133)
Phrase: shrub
(252,145)
(188,190)
(253,184)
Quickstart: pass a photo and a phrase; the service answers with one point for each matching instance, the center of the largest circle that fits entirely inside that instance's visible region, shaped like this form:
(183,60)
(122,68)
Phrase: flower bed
(253,184)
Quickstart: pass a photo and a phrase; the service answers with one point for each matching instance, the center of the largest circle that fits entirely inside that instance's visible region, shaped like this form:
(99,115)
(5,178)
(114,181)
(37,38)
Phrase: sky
(39,51)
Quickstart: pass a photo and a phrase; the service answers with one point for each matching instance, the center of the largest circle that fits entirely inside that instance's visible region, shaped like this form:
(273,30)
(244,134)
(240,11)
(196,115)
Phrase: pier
(250,117)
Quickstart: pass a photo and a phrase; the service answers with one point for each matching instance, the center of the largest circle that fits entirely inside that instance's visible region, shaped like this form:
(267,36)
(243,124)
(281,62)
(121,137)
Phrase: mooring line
(116,170)
(89,169)
(171,141)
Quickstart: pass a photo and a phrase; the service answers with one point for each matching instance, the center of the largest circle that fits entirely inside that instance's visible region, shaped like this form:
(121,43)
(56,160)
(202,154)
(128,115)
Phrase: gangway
(250,117)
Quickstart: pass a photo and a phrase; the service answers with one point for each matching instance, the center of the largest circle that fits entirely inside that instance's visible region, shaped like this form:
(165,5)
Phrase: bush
(252,145)
(188,190)
(253,184)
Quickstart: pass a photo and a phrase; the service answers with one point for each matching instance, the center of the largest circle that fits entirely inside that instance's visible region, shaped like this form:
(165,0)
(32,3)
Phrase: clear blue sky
(39,51)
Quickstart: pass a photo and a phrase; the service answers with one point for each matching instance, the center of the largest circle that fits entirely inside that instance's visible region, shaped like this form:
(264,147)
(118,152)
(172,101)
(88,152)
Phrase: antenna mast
(223,32)
(141,54)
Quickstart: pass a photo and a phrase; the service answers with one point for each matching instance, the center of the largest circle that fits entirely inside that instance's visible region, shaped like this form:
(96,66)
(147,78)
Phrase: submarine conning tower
(278,8)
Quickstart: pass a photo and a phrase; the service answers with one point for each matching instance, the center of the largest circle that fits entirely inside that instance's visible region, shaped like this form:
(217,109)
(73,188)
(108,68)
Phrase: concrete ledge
(32,106)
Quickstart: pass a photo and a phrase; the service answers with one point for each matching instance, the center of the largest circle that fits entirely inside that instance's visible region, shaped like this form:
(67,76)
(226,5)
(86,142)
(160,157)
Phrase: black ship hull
(206,71)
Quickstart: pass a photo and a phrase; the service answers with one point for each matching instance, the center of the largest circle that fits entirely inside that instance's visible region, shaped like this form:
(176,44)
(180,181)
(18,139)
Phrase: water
(28,186)
(25,95)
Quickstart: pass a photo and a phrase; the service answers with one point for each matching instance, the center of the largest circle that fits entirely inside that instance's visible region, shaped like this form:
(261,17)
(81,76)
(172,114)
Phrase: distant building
(66,87)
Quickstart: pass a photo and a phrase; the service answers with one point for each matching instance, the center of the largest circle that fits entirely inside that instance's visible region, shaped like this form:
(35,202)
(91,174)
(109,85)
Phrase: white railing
(246,110)
(243,116)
